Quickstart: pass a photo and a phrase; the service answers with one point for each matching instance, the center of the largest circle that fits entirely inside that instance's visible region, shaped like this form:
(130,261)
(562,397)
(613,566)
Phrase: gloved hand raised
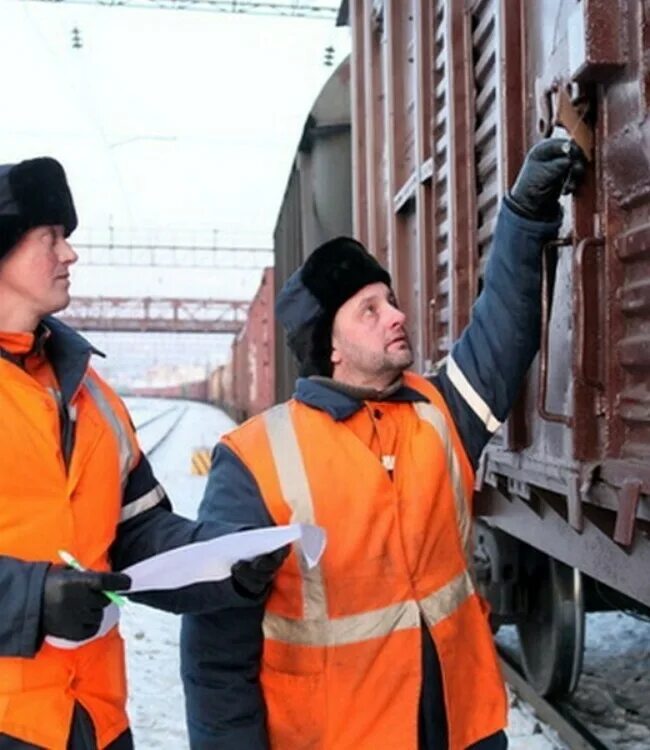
(73,601)
(552,167)
(252,578)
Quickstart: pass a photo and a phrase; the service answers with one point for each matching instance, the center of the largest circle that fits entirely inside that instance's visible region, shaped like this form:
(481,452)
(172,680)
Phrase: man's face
(35,274)
(370,346)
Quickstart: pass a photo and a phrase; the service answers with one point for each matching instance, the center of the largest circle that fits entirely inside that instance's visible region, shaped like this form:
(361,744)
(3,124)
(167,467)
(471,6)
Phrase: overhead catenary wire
(292,9)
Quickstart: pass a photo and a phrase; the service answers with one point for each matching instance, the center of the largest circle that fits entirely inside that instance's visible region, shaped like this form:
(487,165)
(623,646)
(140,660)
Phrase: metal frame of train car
(446,97)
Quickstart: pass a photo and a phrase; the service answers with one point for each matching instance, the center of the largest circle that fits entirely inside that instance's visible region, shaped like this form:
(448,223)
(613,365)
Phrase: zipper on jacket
(68,417)
(67,424)
(387,460)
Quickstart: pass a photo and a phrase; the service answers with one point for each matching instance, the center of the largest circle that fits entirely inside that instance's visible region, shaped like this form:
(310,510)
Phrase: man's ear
(335,356)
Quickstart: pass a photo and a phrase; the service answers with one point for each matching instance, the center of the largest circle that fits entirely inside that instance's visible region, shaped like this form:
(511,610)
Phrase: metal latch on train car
(631,486)
(557,108)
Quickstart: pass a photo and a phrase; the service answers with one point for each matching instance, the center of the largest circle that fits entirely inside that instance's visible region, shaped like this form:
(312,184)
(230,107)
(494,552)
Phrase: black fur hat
(308,302)
(33,193)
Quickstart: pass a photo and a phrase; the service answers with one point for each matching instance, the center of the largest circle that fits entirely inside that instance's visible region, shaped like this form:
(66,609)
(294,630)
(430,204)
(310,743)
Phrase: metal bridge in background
(156,254)
(290,8)
(155,314)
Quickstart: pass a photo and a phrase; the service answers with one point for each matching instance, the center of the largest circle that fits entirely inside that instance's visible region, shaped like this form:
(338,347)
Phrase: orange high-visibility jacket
(45,509)
(342,652)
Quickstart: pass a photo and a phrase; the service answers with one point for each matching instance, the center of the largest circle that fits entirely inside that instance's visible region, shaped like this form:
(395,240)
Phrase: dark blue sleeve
(21,593)
(486,367)
(221,651)
(149,527)
(232,494)
(220,661)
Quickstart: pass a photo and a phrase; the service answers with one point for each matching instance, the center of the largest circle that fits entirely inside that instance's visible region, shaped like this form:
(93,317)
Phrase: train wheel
(551,637)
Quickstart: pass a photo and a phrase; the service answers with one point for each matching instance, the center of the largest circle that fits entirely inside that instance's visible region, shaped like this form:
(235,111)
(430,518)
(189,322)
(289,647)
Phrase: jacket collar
(68,352)
(340,402)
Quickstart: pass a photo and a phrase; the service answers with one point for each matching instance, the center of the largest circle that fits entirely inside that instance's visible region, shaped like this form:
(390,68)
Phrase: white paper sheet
(213,559)
(208,561)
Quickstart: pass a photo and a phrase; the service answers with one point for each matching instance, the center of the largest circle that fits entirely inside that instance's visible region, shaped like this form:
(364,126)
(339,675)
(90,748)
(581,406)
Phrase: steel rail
(171,429)
(158,415)
(558,716)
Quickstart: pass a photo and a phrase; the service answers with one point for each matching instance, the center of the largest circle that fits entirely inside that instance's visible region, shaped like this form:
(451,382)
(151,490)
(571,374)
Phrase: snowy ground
(155,695)
(613,694)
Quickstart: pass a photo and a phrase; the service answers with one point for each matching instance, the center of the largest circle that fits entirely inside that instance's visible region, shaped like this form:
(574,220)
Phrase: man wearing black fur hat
(386,644)
(73,478)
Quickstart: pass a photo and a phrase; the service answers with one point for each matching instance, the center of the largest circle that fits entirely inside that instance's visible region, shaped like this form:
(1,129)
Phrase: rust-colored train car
(245,385)
(447,96)
(255,350)
(216,390)
(196,390)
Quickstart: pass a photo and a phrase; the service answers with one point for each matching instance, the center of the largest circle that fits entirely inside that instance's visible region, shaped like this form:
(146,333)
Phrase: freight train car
(317,203)
(245,385)
(221,391)
(194,391)
(446,98)
(258,341)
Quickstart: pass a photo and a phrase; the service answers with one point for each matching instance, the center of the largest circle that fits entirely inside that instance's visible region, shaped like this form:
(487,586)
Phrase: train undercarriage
(541,574)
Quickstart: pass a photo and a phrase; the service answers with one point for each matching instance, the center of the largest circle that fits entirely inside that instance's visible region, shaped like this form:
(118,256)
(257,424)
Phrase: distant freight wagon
(245,385)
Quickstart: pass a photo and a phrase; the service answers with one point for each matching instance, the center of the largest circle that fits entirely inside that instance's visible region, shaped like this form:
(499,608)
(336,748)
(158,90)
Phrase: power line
(293,9)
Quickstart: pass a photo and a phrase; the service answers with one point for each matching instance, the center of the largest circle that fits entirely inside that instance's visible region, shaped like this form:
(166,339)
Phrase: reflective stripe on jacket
(342,654)
(43,509)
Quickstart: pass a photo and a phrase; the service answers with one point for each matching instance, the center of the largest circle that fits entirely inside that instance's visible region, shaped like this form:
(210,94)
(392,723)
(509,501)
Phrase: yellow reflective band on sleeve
(126,453)
(297,494)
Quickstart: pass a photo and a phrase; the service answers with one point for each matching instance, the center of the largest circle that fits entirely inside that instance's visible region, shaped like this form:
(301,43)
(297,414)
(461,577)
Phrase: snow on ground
(144,408)
(525,731)
(612,695)
(156,703)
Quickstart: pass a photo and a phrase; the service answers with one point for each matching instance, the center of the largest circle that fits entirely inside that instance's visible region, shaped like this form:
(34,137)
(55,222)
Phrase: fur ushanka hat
(33,193)
(308,302)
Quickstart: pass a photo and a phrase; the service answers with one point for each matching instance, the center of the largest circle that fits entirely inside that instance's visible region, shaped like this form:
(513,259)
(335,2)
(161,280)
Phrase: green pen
(68,559)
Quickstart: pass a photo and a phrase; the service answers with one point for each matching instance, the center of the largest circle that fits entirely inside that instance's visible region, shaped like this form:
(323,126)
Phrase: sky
(173,126)
(173,118)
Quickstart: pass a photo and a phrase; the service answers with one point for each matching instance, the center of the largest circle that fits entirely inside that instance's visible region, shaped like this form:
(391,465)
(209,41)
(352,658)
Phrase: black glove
(252,578)
(73,601)
(552,167)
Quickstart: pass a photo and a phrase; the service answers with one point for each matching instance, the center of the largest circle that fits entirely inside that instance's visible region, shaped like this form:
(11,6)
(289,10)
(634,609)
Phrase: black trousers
(82,736)
(432,723)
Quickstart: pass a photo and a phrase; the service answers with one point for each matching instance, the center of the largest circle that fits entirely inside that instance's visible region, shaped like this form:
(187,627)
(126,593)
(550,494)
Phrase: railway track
(155,418)
(153,434)
(574,733)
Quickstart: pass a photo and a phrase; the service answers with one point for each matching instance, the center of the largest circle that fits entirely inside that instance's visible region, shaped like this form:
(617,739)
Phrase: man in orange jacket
(72,477)
(385,645)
